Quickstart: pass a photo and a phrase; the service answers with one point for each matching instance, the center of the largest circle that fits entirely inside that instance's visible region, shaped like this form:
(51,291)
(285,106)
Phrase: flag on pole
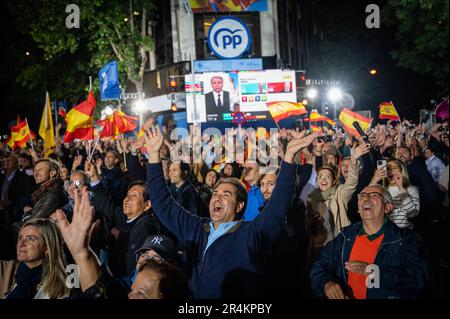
(46,130)
(117,123)
(388,111)
(80,121)
(314,116)
(20,134)
(347,118)
(282,110)
(109,82)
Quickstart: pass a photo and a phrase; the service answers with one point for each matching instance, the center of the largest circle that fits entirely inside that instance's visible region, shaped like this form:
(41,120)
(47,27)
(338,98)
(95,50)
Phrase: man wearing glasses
(372,259)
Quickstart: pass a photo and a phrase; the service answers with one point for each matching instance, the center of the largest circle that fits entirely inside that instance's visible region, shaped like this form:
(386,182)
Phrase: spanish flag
(388,111)
(20,134)
(80,121)
(46,130)
(282,110)
(347,118)
(314,116)
(117,123)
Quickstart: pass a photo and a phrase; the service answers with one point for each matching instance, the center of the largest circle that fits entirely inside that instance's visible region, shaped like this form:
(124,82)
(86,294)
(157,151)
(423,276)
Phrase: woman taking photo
(405,197)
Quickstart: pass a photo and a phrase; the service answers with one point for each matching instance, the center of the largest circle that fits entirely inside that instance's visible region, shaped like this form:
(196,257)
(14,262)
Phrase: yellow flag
(46,128)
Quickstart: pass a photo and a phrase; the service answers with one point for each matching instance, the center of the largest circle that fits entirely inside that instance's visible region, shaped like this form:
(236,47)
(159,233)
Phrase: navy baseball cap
(162,245)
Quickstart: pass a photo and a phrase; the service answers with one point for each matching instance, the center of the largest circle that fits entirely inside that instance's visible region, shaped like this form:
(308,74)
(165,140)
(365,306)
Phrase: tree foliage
(422,36)
(113,29)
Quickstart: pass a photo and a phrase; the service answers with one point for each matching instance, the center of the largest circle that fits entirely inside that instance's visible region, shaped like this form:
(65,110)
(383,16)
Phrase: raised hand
(297,143)
(380,173)
(91,171)
(76,234)
(77,162)
(358,151)
(153,141)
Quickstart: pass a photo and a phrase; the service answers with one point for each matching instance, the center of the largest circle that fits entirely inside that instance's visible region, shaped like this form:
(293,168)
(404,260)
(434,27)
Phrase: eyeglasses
(77,183)
(326,177)
(373,195)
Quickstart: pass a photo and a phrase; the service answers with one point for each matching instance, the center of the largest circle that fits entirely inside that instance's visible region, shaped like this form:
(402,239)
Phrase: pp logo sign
(229,38)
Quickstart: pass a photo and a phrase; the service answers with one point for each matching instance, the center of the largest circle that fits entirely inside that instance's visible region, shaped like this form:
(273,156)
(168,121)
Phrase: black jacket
(20,188)
(132,235)
(116,183)
(189,199)
(211,107)
(54,198)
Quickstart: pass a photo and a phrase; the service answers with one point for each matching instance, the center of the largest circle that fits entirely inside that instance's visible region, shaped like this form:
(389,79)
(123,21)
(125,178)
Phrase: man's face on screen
(217,84)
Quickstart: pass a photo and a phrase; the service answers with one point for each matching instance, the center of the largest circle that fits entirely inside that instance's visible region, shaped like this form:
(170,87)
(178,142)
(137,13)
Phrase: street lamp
(373,72)
(334,95)
(312,93)
(139,107)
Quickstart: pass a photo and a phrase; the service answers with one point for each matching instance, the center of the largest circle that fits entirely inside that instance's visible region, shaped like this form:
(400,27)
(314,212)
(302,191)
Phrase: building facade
(285,34)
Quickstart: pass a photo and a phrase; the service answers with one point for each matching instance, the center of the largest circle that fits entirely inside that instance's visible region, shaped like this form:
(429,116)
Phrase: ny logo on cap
(157,240)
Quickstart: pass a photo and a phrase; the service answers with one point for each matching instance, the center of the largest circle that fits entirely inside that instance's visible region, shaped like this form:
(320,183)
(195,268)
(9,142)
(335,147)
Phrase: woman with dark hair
(205,189)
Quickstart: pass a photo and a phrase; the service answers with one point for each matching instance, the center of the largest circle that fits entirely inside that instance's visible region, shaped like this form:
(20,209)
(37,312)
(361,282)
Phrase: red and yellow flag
(388,111)
(282,110)
(118,123)
(20,134)
(347,118)
(80,121)
(314,116)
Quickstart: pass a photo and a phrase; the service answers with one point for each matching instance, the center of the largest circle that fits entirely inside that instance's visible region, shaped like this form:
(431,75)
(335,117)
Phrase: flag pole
(124,156)
(29,134)
(90,83)
(56,118)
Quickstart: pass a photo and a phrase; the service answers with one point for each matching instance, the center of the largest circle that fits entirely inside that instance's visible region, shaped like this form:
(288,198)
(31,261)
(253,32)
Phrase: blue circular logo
(239,118)
(229,38)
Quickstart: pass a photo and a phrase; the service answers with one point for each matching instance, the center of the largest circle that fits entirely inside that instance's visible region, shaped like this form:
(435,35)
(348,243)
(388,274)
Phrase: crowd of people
(339,217)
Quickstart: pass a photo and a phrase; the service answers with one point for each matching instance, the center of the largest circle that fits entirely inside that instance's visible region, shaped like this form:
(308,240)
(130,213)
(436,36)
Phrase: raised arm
(76,236)
(268,224)
(351,182)
(175,218)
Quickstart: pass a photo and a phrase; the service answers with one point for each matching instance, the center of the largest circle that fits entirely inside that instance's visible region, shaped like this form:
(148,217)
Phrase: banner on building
(227,6)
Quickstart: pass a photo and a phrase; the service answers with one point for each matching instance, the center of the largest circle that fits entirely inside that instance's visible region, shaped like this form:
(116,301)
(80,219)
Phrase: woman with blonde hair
(405,197)
(39,272)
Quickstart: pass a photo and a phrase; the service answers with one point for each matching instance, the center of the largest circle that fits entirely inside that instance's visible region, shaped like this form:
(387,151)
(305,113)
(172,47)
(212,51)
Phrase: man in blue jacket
(372,259)
(226,253)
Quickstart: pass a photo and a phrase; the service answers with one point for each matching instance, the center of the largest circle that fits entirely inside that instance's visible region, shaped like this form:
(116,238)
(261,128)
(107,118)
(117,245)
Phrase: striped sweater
(406,206)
